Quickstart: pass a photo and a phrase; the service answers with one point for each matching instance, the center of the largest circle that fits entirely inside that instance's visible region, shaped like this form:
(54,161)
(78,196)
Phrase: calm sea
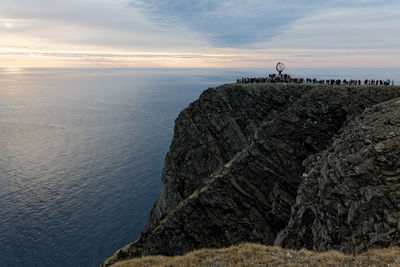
(82,150)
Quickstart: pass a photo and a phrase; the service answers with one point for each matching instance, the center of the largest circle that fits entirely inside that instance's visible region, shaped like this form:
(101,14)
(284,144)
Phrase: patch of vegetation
(259,255)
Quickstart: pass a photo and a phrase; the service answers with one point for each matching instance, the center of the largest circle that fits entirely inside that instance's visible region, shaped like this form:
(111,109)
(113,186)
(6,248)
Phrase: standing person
(392,82)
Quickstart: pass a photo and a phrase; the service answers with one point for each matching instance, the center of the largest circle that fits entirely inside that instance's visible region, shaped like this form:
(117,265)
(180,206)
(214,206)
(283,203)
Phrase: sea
(82,151)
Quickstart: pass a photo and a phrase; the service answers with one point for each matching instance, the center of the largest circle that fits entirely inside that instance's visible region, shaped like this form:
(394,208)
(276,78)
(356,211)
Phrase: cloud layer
(234,23)
(228,23)
(205,33)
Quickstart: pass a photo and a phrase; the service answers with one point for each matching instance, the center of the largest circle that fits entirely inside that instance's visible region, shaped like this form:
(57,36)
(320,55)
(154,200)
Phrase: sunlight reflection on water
(82,152)
(81,158)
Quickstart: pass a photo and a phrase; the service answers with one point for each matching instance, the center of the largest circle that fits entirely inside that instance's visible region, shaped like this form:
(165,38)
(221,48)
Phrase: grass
(260,255)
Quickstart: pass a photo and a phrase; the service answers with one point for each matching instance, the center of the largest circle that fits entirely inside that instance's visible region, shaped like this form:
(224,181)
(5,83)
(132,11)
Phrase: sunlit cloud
(234,23)
(8,25)
(210,33)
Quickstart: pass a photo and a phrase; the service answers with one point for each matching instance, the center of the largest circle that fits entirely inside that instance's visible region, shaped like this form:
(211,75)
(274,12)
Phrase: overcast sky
(195,33)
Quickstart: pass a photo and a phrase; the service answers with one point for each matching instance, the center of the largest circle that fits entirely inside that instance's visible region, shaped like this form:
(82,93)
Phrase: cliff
(291,165)
(350,197)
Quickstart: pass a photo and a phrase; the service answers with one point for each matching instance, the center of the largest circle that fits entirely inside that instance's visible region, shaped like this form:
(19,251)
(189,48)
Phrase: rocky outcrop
(350,198)
(210,132)
(236,164)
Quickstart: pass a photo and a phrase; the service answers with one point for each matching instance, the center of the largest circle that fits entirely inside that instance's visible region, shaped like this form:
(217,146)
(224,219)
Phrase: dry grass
(259,255)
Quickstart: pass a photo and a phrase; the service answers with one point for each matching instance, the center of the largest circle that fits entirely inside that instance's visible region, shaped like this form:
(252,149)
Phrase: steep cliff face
(236,164)
(350,198)
(210,132)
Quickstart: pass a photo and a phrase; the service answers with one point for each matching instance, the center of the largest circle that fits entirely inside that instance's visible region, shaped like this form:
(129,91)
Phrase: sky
(199,33)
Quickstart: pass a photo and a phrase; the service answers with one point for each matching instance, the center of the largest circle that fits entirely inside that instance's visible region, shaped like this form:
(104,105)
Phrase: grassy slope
(259,255)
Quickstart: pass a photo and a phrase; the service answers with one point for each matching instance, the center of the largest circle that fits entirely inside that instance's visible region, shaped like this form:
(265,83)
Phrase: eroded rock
(236,164)
(350,200)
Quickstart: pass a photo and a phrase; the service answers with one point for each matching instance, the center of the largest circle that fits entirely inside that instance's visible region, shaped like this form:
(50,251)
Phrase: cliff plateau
(291,165)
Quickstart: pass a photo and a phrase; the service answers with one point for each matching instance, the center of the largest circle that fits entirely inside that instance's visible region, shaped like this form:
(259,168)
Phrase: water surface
(82,150)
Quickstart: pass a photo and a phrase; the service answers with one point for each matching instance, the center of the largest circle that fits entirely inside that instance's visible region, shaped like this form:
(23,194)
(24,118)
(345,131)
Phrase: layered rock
(236,163)
(210,132)
(350,198)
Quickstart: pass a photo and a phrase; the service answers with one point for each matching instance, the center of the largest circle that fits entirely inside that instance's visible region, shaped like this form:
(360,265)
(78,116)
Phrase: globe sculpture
(280,67)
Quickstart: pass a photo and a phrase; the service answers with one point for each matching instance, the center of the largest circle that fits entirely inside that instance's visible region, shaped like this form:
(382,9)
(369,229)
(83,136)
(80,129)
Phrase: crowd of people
(287,78)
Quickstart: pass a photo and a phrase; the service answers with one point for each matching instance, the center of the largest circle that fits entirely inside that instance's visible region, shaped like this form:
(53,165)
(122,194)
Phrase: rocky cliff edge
(291,165)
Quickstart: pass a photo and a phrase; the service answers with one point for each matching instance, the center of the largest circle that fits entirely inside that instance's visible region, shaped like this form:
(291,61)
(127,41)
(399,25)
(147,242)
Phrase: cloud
(187,23)
(80,24)
(363,28)
(225,23)
(234,23)
(201,33)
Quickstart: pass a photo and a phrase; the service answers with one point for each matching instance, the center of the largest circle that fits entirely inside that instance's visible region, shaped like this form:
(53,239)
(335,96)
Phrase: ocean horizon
(83,150)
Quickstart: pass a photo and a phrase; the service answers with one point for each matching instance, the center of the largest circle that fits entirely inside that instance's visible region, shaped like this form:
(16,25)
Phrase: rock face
(350,198)
(243,155)
(210,132)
